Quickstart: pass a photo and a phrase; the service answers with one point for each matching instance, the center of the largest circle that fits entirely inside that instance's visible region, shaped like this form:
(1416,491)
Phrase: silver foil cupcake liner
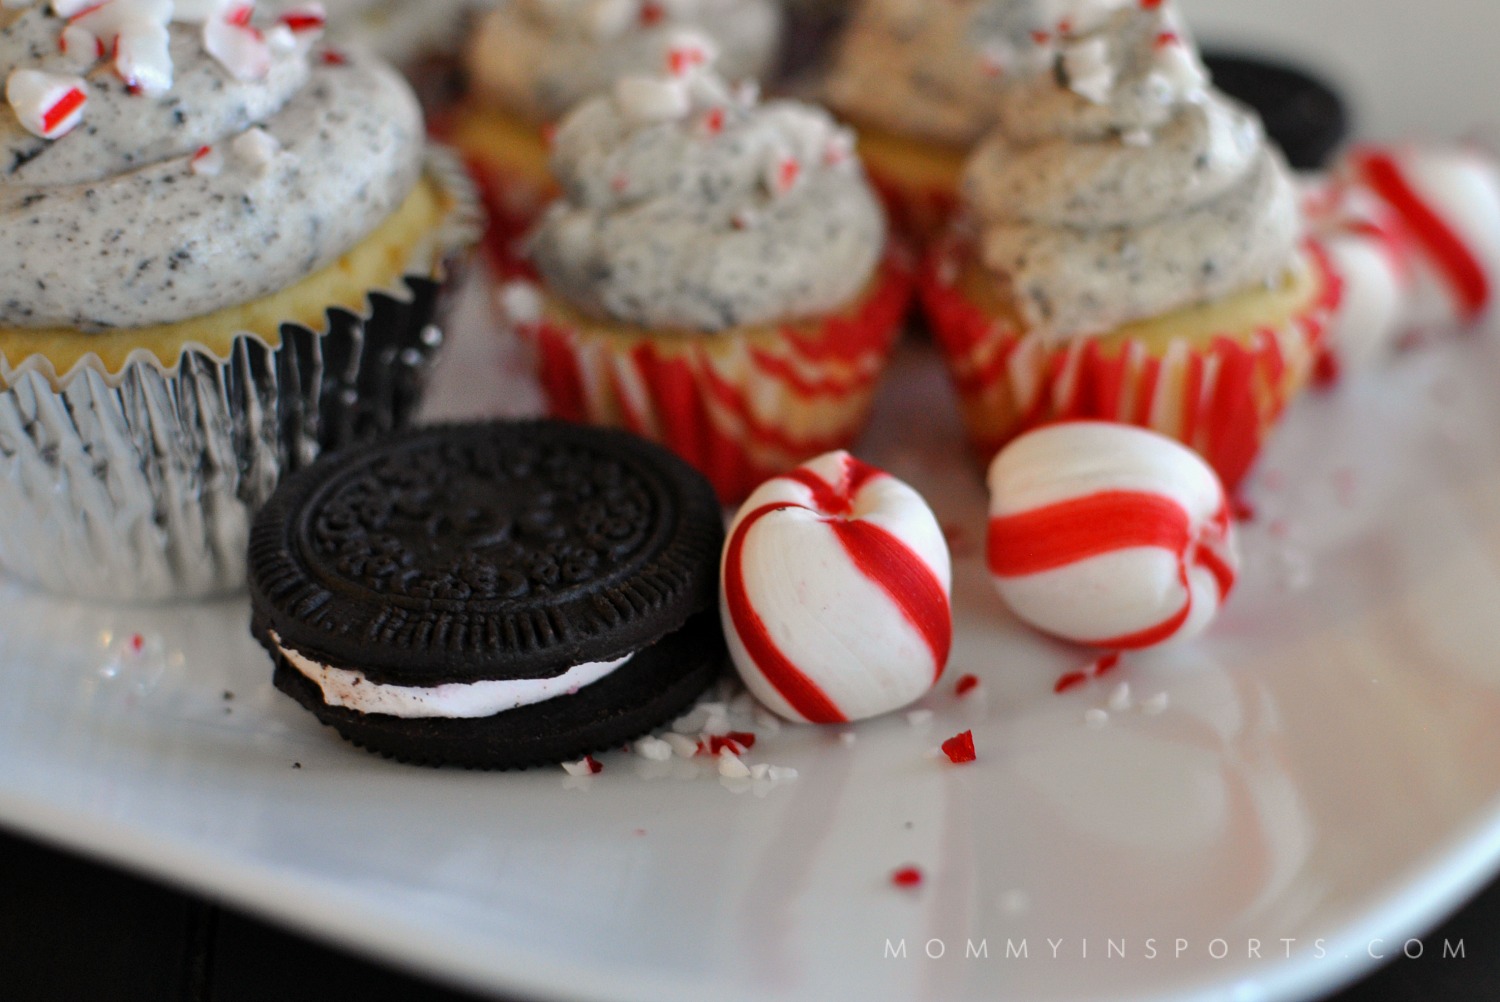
(139,486)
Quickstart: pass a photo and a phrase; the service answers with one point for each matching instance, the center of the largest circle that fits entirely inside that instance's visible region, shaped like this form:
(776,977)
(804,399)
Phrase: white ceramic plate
(1322,782)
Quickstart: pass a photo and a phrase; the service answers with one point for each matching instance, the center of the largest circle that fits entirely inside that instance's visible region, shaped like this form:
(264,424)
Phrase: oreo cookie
(491,596)
(1304,115)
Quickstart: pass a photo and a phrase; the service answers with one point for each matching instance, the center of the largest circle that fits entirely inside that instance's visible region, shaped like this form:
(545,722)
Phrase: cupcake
(714,276)
(226,254)
(921,82)
(1135,254)
(531,61)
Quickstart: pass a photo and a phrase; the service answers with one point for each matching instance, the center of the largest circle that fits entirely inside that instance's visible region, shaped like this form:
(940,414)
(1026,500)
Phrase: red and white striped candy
(1447,201)
(1109,535)
(46,104)
(1365,247)
(834,592)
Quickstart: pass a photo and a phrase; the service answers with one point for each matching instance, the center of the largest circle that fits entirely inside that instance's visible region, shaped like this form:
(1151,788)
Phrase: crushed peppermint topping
(208,161)
(586,766)
(255,148)
(965,685)
(960,748)
(46,104)
(730,766)
(907,876)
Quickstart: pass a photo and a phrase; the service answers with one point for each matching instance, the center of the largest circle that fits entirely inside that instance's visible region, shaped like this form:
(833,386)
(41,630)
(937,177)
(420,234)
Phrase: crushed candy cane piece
(647,99)
(781,774)
(1156,705)
(919,718)
(965,685)
(730,766)
(653,749)
(1120,700)
(237,44)
(48,105)
(1096,717)
(256,147)
(847,738)
(907,876)
(208,161)
(586,766)
(682,745)
(960,748)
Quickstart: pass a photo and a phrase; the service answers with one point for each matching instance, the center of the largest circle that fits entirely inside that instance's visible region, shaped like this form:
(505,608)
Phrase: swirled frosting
(688,205)
(210,160)
(931,70)
(1123,186)
(539,58)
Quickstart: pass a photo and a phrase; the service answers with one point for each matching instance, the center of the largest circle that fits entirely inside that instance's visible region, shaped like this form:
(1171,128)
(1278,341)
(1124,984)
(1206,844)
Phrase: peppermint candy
(1446,202)
(834,592)
(1109,535)
(46,104)
(1361,239)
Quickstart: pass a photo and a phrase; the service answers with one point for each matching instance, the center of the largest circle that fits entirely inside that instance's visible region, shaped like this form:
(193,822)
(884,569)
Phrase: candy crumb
(1120,700)
(965,685)
(907,876)
(960,748)
(653,749)
(919,718)
(1156,704)
(586,766)
(1096,718)
(730,766)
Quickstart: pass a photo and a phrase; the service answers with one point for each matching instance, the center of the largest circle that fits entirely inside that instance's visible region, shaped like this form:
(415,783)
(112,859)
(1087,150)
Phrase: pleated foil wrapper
(139,486)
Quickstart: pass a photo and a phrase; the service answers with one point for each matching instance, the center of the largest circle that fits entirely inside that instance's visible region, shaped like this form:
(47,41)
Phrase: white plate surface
(1323,782)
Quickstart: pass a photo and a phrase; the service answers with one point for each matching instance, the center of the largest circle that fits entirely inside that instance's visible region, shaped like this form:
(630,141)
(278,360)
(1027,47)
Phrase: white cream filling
(352,690)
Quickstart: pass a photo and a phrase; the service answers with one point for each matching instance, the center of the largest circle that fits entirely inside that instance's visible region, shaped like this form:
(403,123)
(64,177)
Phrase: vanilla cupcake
(226,252)
(714,275)
(530,61)
(921,81)
(1136,254)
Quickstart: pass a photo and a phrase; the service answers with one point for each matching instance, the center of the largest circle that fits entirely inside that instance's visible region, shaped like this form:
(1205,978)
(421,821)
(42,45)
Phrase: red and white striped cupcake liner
(1218,394)
(740,406)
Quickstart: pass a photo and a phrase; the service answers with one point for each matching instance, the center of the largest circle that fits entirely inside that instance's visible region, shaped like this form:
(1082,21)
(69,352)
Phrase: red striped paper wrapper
(741,406)
(1221,395)
(513,201)
(919,213)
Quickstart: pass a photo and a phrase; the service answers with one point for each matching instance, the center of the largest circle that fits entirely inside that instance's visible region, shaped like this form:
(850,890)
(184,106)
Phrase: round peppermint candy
(1109,535)
(834,592)
(1448,203)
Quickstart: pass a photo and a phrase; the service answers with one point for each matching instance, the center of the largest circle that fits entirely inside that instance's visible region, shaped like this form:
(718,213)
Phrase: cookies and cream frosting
(159,162)
(931,70)
(537,59)
(1122,185)
(351,689)
(689,205)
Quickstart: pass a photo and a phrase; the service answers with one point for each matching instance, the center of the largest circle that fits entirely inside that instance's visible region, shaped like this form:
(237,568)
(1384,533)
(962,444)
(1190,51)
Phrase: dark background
(72,930)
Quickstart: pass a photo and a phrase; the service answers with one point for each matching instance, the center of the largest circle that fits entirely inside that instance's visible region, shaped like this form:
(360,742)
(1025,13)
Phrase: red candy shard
(1106,664)
(333,57)
(136,643)
(651,14)
(1166,38)
(960,748)
(966,684)
(738,742)
(594,764)
(1041,37)
(65,106)
(713,121)
(1150,4)
(907,876)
